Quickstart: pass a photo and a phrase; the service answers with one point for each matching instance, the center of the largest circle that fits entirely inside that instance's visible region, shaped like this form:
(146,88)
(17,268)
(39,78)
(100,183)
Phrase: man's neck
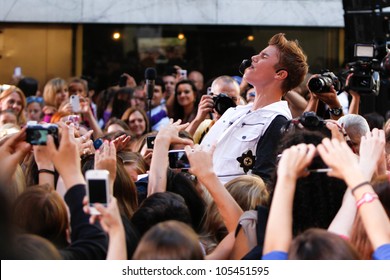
(265,97)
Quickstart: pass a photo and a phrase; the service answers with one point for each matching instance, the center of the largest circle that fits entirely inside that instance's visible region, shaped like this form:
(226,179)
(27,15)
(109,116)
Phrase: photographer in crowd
(225,93)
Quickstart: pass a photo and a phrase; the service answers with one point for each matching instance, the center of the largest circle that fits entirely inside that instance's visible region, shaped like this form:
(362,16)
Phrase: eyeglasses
(32,99)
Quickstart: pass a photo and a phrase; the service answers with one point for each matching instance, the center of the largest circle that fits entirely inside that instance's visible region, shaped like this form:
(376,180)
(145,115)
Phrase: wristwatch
(336,111)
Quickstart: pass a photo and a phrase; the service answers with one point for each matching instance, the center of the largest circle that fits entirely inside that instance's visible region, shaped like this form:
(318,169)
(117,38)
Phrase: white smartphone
(18,71)
(98,189)
(75,103)
(183,73)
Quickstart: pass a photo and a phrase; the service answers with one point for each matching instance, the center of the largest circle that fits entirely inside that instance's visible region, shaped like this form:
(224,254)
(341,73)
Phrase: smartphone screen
(178,159)
(36,136)
(97,191)
(150,141)
(183,73)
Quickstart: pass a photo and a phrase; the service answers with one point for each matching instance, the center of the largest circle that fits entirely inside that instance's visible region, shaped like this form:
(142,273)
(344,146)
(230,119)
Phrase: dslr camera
(36,134)
(222,102)
(323,82)
(365,69)
(310,120)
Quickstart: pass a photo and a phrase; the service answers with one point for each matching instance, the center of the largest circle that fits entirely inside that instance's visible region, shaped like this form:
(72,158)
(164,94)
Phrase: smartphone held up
(178,159)
(75,103)
(98,189)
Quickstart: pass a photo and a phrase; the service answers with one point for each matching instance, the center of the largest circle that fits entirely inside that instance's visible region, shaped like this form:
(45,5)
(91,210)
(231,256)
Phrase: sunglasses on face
(32,99)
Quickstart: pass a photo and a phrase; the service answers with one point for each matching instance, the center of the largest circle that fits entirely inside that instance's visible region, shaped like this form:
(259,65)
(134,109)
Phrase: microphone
(150,77)
(244,64)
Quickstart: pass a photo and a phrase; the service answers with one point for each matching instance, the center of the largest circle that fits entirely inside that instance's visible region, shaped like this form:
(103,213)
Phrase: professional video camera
(365,69)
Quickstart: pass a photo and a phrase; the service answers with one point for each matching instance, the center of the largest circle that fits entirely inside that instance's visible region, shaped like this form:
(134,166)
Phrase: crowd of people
(269,177)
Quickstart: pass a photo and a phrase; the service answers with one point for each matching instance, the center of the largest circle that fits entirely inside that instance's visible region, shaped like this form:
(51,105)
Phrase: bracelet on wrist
(366,198)
(359,186)
(52,172)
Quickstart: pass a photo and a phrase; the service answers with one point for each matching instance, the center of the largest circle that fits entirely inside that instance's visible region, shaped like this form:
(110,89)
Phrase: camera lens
(320,84)
(222,102)
(316,85)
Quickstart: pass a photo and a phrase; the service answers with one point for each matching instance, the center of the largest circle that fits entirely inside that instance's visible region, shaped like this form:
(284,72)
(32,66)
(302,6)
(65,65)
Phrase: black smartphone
(36,134)
(178,159)
(122,81)
(150,141)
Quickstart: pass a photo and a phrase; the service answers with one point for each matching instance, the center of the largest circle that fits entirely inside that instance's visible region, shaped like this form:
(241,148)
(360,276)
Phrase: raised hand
(158,168)
(201,161)
(335,129)
(12,152)
(85,144)
(111,222)
(295,160)
(66,158)
(169,134)
(372,149)
(105,158)
(339,157)
(205,107)
(121,142)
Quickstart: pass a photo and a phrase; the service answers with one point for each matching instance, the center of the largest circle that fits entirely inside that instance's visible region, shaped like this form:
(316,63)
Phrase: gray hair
(355,125)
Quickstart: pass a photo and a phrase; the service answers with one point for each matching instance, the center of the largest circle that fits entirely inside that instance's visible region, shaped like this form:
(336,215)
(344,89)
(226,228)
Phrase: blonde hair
(18,184)
(4,94)
(50,91)
(249,191)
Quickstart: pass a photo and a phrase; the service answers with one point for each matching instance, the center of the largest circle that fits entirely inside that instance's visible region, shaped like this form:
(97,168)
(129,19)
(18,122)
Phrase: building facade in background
(102,39)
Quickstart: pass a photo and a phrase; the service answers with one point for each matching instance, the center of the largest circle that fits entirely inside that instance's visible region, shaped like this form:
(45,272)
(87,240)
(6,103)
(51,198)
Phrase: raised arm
(355,102)
(292,165)
(343,221)
(312,105)
(105,158)
(88,115)
(87,241)
(201,163)
(158,168)
(338,156)
(111,222)
(205,107)
(45,166)
(329,98)
(297,103)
